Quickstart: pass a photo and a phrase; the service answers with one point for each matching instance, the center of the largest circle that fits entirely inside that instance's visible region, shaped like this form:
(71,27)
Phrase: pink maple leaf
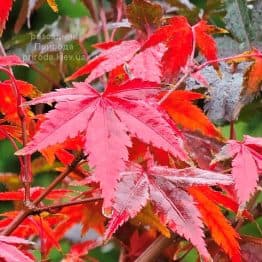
(107,119)
(165,188)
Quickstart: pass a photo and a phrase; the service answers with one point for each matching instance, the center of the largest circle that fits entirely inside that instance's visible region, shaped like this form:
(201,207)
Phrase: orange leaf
(147,217)
(222,232)
(53,5)
(253,77)
(60,151)
(183,112)
(223,200)
(93,218)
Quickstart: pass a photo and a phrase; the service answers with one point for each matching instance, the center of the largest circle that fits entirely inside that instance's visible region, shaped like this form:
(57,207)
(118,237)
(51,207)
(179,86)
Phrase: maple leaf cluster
(141,147)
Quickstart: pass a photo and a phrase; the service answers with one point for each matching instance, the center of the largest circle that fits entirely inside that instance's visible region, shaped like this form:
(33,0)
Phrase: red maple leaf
(179,37)
(205,43)
(106,118)
(35,192)
(165,188)
(224,200)
(37,226)
(5,8)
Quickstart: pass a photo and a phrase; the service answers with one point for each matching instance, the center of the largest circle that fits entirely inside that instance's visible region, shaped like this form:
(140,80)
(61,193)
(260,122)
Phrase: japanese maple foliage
(247,159)
(164,187)
(106,118)
(135,154)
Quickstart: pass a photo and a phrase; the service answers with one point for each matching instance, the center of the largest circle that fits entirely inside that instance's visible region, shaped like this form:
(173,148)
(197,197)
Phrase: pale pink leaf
(107,120)
(106,143)
(15,240)
(244,172)
(178,210)
(147,64)
(81,91)
(246,165)
(149,125)
(191,176)
(131,196)
(67,120)
(12,253)
(107,60)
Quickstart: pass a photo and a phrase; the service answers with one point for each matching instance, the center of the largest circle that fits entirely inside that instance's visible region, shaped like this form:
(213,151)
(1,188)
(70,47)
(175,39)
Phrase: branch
(200,67)
(232,130)
(30,210)
(56,207)
(174,87)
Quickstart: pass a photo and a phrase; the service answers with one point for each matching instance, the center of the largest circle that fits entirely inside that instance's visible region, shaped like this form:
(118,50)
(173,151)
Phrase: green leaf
(239,22)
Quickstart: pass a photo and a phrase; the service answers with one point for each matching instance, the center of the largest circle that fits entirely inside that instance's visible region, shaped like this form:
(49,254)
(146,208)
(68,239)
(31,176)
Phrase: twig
(200,67)
(232,130)
(29,210)
(83,49)
(56,207)
(91,5)
(174,87)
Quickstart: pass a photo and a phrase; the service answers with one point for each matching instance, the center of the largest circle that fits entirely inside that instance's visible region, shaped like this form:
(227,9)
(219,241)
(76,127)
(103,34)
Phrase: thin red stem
(174,87)
(56,207)
(200,67)
(194,45)
(26,174)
